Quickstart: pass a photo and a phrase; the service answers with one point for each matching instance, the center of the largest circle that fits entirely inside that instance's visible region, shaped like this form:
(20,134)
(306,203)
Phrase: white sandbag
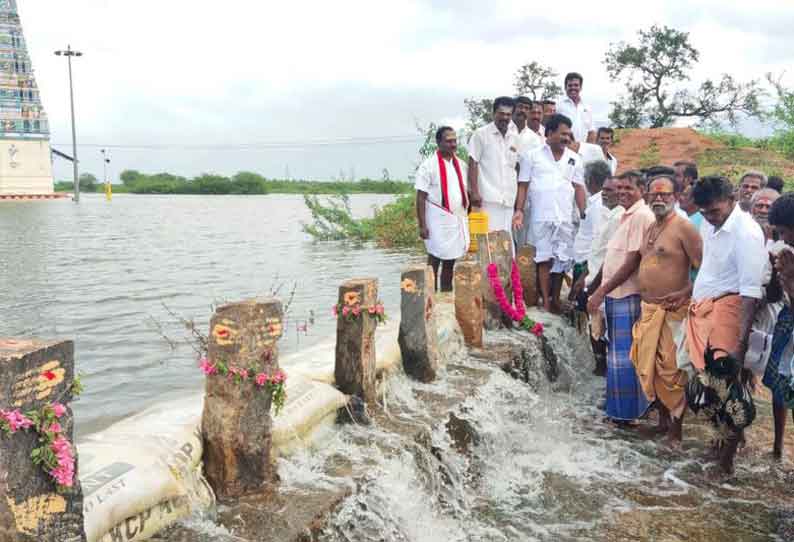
(310,407)
(139,462)
(450,336)
(146,524)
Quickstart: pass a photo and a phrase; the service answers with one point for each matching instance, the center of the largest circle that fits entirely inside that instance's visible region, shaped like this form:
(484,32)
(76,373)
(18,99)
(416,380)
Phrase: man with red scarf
(441,205)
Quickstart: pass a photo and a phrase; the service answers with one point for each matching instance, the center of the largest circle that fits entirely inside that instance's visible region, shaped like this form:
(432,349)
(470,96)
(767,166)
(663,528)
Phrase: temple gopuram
(25,156)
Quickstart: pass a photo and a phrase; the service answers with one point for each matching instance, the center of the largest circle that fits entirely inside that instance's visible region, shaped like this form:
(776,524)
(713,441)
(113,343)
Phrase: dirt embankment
(644,148)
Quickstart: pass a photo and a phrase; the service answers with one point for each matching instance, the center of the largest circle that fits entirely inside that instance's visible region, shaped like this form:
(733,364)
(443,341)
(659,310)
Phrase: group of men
(685,280)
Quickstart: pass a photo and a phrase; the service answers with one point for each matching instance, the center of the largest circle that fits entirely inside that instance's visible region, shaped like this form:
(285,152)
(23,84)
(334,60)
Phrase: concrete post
(418,337)
(501,253)
(355,367)
(236,423)
(529,274)
(468,301)
(35,374)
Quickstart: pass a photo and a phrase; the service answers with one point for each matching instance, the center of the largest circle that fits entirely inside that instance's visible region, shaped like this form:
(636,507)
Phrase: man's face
(786,233)
(609,196)
(573,88)
(685,201)
(449,142)
(560,138)
(549,110)
(502,117)
(679,175)
(661,197)
(521,112)
(750,185)
(535,116)
(760,209)
(717,212)
(605,140)
(628,192)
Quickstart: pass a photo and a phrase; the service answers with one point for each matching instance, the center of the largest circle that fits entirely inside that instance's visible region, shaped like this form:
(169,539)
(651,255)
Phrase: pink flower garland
(518,312)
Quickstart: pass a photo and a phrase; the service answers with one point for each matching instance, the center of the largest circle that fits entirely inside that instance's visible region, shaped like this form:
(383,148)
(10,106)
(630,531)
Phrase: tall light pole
(68,53)
(105,162)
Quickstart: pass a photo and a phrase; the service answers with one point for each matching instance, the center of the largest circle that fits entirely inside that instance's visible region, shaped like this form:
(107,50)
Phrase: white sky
(243,71)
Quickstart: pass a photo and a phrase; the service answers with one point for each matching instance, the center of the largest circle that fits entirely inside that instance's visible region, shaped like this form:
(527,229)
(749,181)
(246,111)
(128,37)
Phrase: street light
(68,53)
(105,162)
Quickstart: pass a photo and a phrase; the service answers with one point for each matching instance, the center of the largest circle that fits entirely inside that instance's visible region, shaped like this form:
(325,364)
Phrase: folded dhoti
(448,233)
(710,322)
(653,353)
(553,241)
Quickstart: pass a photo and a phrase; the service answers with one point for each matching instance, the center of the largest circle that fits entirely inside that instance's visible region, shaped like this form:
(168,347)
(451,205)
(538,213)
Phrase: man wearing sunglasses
(670,248)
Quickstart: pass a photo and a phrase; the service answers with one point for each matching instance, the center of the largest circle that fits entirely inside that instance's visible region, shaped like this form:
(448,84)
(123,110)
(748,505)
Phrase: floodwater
(107,275)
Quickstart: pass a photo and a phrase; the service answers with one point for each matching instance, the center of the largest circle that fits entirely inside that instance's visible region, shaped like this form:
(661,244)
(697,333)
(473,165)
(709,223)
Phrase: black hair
(710,189)
(606,130)
(440,132)
(597,172)
(655,171)
(523,100)
(775,183)
(537,103)
(574,75)
(553,124)
(637,177)
(549,102)
(690,169)
(782,211)
(503,101)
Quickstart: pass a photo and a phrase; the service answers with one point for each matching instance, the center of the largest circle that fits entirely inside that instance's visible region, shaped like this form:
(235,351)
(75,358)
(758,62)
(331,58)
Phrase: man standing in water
(554,173)
(620,290)
(441,206)
(493,183)
(671,247)
(727,289)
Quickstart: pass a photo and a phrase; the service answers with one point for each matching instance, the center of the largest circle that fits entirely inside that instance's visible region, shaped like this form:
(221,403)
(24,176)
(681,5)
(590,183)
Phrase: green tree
(537,81)
(246,182)
(656,71)
(130,176)
(782,115)
(88,182)
(479,111)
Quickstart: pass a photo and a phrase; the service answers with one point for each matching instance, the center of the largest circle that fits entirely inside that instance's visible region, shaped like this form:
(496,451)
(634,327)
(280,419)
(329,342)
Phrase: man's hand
(475,199)
(675,300)
(594,303)
(518,219)
(424,233)
(577,288)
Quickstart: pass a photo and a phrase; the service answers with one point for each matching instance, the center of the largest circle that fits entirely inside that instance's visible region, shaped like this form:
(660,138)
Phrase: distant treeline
(244,182)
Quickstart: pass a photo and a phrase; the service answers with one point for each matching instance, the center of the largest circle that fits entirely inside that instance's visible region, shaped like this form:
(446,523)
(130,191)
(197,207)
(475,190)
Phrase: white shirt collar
(729,223)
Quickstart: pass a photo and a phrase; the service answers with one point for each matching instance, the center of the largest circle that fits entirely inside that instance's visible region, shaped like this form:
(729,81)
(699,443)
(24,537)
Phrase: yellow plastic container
(478,225)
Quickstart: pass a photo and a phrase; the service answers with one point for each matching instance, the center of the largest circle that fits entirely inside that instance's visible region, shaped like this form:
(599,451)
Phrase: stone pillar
(35,374)
(236,423)
(355,367)
(529,274)
(468,301)
(418,337)
(502,255)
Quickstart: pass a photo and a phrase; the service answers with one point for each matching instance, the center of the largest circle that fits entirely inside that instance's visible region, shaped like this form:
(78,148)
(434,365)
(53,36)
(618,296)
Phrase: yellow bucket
(478,225)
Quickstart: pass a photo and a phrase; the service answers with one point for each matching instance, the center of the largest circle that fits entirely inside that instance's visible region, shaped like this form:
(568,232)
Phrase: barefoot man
(670,248)
(621,290)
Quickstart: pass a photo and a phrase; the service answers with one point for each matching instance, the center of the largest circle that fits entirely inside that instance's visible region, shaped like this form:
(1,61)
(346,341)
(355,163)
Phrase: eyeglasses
(663,195)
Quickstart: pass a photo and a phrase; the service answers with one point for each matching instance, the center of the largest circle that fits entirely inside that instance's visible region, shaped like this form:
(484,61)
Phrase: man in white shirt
(528,137)
(592,152)
(552,172)
(441,206)
(726,291)
(595,174)
(575,109)
(493,182)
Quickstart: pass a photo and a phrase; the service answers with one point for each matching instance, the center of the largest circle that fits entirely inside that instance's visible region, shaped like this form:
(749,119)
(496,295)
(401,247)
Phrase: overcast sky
(179,74)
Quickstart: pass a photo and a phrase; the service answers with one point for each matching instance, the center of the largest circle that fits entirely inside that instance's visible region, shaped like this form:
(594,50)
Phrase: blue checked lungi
(625,398)
(780,339)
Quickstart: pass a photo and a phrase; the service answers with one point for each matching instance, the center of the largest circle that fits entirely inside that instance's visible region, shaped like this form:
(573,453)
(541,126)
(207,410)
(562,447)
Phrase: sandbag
(138,463)
(146,524)
(310,405)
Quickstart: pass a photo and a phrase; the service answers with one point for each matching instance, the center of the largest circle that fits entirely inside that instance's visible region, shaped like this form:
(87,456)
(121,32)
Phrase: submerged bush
(392,226)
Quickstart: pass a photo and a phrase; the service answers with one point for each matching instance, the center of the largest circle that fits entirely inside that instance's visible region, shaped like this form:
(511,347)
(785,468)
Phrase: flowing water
(473,456)
(106,274)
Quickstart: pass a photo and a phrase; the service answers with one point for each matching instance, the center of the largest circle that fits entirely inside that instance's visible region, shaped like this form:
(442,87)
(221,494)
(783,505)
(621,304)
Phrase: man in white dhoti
(441,207)
(554,172)
(493,157)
